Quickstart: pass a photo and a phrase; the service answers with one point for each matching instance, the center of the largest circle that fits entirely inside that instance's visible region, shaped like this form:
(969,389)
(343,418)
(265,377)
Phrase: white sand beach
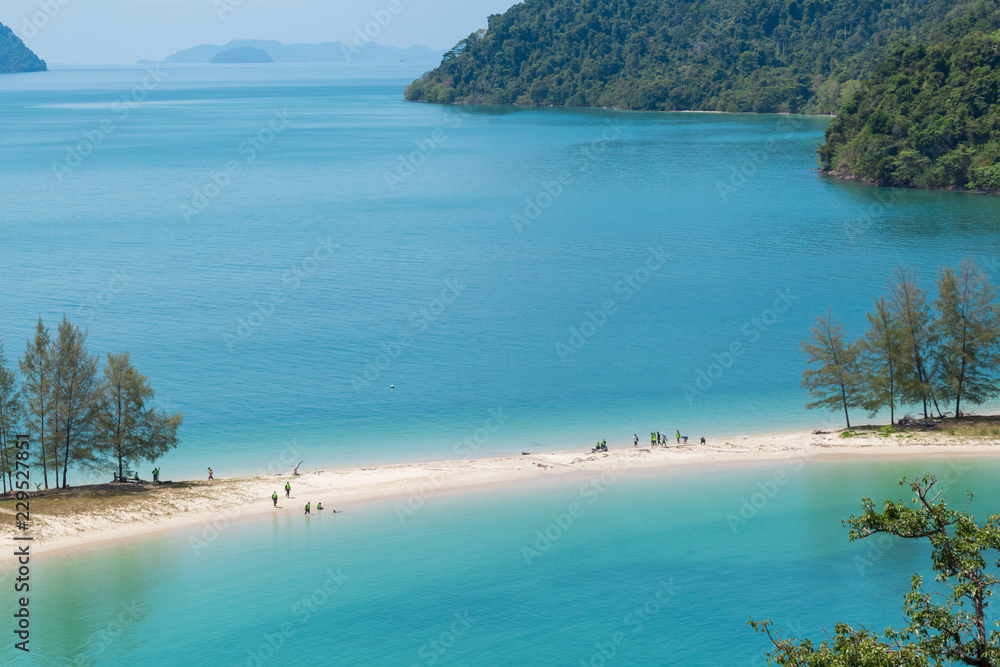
(241,498)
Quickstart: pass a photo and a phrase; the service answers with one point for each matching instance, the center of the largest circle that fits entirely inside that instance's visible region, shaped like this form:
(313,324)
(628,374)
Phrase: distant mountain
(327,52)
(242,54)
(15,56)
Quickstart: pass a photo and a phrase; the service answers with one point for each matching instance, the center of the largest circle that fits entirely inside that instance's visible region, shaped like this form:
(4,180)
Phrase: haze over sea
(277,246)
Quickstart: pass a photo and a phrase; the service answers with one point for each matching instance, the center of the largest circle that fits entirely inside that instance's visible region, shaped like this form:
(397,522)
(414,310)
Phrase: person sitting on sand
(703,441)
(307,508)
(319,506)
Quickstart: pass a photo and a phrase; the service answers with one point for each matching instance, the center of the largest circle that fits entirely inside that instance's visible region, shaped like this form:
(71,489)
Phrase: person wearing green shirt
(274,497)
(307,508)
(288,490)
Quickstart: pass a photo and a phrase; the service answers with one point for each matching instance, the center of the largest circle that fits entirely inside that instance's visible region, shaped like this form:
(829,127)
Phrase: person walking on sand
(307,508)
(274,497)
(678,436)
(635,439)
(288,490)
(210,474)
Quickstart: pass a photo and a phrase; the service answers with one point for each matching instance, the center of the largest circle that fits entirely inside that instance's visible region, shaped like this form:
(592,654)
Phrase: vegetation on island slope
(929,117)
(914,352)
(15,56)
(730,55)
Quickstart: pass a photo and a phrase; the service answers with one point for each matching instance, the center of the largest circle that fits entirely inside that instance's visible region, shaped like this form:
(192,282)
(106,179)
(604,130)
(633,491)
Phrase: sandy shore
(249,497)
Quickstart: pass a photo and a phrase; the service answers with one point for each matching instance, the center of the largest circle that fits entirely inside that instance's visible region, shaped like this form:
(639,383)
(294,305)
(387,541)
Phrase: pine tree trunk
(41,440)
(66,459)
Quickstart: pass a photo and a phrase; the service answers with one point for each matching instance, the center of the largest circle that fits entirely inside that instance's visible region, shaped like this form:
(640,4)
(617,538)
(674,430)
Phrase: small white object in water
(391,387)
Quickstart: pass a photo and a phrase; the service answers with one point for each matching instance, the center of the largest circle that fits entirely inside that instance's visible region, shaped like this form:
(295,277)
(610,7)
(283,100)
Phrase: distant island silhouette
(242,54)
(15,56)
(327,52)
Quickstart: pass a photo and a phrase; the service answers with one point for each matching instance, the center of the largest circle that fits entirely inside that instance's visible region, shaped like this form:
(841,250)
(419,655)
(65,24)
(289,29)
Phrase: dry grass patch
(99,497)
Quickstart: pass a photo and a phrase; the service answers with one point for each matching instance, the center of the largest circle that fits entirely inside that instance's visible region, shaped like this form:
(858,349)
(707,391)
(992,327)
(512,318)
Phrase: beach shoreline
(215,504)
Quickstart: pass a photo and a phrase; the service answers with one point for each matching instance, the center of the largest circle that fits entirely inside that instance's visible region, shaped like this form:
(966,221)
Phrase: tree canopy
(79,417)
(915,352)
(729,55)
(950,624)
(928,117)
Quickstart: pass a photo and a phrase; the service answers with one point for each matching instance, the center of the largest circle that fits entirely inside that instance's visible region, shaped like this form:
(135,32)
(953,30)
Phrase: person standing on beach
(274,497)
(156,475)
(678,436)
(210,474)
(307,508)
(288,490)
(635,439)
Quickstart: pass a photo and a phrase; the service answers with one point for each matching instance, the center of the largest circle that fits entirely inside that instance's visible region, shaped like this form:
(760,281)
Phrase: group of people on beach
(660,439)
(655,439)
(288,494)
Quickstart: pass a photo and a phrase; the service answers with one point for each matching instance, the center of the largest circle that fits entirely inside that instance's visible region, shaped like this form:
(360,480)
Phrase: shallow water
(632,567)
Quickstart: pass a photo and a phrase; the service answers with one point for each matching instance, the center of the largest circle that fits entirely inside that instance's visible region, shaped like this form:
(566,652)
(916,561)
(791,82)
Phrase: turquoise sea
(278,246)
(628,568)
(362,242)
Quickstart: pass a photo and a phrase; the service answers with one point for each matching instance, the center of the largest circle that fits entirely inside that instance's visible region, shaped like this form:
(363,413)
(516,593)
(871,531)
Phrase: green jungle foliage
(799,56)
(929,117)
(15,56)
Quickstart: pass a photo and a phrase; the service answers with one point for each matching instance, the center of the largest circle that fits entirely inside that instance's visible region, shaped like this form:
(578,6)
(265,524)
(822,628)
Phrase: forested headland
(798,56)
(15,56)
(938,355)
(78,415)
(929,117)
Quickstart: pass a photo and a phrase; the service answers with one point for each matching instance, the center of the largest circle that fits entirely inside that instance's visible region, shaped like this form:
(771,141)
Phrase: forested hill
(15,56)
(929,117)
(730,55)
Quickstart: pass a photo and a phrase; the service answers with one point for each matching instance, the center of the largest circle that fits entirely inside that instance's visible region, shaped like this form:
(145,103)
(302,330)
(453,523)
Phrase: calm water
(651,569)
(278,246)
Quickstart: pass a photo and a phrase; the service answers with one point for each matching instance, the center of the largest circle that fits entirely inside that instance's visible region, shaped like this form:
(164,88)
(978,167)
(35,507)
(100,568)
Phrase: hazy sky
(123,31)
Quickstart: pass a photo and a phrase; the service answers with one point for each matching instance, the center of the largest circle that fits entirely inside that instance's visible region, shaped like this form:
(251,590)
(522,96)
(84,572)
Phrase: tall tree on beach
(968,330)
(76,389)
(10,420)
(128,429)
(883,362)
(834,380)
(36,369)
(909,304)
